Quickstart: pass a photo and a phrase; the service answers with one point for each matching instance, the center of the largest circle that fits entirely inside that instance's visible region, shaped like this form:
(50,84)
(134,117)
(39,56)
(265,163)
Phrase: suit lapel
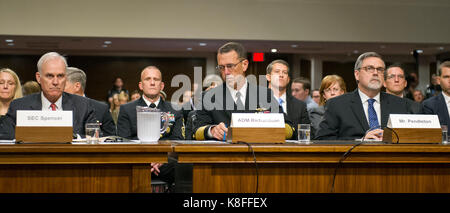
(384,102)
(442,107)
(358,110)
(36,104)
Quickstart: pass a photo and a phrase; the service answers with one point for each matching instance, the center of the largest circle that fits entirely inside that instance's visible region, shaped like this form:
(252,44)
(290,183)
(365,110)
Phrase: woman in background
(332,86)
(10,89)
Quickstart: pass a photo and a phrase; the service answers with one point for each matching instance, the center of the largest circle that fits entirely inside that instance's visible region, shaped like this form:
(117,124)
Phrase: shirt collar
(46,103)
(364,97)
(149,102)
(447,98)
(243,89)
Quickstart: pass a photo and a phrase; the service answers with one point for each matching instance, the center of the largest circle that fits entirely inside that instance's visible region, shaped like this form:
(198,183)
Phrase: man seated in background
(440,104)
(277,73)
(395,84)
(52,77)
(301,88)
(76,84)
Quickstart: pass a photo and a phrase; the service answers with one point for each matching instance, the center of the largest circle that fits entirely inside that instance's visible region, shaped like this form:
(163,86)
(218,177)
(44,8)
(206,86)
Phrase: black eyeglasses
(372,69)
(228,66)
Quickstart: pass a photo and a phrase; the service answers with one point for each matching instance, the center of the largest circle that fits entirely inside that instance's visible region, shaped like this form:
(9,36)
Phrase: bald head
(151,82)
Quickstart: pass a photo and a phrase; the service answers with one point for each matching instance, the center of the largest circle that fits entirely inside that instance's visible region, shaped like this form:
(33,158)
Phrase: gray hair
(364,56)
(76,75)
(237,47)
(278,61)
(48,56)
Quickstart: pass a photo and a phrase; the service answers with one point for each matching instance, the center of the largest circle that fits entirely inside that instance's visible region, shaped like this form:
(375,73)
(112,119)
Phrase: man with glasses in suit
(364,112)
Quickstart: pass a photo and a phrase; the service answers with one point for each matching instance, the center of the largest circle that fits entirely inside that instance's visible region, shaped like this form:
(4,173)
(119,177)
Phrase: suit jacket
(344,117)
(297,113)
(436,105)
(103,115)
(223,106)
(82,110)
(316,116)
(127,121)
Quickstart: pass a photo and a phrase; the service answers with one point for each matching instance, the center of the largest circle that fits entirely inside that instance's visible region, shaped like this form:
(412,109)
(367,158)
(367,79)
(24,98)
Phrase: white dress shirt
(284,104)
(243,92)
(447,101)
(149,102)
(376,105)
(46,103)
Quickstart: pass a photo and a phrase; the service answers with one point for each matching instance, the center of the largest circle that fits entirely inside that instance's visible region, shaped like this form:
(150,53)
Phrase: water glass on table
(92,133)
(304,133)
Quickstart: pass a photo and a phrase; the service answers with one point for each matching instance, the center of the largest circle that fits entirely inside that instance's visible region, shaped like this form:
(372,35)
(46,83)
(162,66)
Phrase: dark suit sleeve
(8,122)
(124,123)
(108,126)
(428,107)
(328,128)
(201,125)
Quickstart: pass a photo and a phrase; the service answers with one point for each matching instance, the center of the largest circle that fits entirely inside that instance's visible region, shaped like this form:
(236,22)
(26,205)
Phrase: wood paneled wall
(102,70)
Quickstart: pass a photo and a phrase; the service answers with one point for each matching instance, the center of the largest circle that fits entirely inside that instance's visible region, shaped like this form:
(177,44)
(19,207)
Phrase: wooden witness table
(294,168)
(73,168)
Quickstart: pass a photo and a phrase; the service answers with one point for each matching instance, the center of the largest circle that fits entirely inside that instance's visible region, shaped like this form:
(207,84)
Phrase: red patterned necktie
(53,106)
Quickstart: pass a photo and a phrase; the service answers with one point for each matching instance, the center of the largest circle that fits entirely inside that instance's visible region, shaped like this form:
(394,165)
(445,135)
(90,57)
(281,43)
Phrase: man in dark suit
(395,84)
(76,84)
(439,104)
(236,94)
(366,110)
(51,76)
(151,84)
(277,73)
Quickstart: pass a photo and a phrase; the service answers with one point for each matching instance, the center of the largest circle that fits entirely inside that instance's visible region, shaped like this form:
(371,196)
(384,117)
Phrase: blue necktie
(373,119)
(280,101)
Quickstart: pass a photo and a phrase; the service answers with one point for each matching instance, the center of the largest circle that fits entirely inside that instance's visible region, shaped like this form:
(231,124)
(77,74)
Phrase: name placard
(413,121)
(34,118)
(257,120)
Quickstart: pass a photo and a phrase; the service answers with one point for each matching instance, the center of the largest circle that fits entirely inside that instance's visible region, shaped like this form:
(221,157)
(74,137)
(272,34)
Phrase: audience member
(30,87)
(116,89)
(213,120)
(413,82)
(76,84)
(277,73)
(300,89)
(115,107)
(331,86)
(135,95)
(123,98)
(10,89)
(433,89)
(418,96)
(51,76)
(395,84)
(440,104)
(363,112)
(315,95)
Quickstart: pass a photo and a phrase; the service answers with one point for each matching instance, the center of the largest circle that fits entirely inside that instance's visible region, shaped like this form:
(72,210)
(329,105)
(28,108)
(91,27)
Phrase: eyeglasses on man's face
(392,76)
(372,69)
(228,66)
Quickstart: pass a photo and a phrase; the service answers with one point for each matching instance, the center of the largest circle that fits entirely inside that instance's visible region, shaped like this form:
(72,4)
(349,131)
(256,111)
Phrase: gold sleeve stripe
(200,133)
(289,131)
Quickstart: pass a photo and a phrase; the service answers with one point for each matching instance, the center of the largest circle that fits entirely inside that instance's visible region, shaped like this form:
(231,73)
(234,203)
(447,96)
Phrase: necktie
(373,119)
(280,101)
(53,106)
(152,105)
(239,104)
